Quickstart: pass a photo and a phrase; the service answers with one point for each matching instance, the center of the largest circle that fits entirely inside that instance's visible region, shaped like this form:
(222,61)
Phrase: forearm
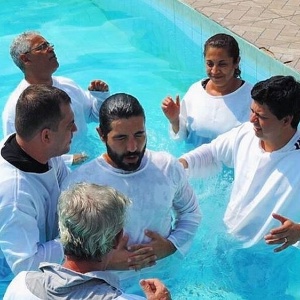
(178,130)
(51,251)
(97,100)
(184,233)
(175,125)
(200,162)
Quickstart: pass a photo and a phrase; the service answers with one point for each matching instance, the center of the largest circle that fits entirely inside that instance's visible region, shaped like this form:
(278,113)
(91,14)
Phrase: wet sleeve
(186,211)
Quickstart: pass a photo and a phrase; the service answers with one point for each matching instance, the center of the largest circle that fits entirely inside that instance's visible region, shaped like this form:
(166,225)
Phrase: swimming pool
(148,48)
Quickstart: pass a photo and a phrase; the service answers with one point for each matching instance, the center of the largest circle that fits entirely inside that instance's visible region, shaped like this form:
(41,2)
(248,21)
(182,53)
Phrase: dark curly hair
(282,96)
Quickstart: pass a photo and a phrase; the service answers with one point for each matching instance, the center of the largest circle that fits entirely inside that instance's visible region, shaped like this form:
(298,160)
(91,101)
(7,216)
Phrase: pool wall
(196,28)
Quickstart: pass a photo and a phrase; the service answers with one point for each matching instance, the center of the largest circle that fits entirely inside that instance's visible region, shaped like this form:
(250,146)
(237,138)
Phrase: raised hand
(98,85)
(171,110)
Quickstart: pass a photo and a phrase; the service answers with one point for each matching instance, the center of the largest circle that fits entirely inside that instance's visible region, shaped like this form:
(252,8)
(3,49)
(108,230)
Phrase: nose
(131,144)
(253,117)
(74,128)
(214,69)
(50,48)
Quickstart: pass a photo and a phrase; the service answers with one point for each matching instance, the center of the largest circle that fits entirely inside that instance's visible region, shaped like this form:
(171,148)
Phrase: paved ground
(271,25)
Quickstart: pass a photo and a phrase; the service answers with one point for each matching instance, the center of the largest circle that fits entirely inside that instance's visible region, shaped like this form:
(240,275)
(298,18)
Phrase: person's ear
(100,133)
(117,240)
(287,120)
(24,58)
(238,62)
(46,135)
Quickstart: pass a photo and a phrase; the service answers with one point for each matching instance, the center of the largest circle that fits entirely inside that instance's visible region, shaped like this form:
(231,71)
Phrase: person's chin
(131,166)
(132,160)
(258,133)
(55,64)
(67,150)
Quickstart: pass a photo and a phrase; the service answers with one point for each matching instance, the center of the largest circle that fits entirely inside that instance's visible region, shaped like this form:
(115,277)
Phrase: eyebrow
(259,114)
(124,134)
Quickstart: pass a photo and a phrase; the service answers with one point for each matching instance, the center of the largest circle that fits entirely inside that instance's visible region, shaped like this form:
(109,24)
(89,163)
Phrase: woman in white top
(215,104)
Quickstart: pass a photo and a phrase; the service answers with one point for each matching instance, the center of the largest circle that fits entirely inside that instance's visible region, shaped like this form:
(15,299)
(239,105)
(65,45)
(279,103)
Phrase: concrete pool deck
(271,25)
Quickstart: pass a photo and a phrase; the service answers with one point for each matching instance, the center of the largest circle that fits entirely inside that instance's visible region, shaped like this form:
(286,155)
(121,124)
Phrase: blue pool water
(150,49)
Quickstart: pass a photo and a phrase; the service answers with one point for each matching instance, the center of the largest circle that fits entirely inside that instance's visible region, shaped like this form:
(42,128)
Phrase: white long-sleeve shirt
(203,117)
(28,217)
(157,189)
(85,104)
(265,182)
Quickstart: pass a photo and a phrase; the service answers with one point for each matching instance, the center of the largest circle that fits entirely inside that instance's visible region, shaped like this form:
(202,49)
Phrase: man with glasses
(36,58)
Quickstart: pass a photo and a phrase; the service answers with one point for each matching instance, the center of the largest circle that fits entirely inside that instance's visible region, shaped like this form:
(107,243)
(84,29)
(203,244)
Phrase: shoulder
(9,173)
(64,82)
(82,173)
(240,132)
(246,88)
(14,96)
(159,156)
(195,91)
(164,161)
(234,136)
(17,289)
(245,127)
(198,85)
(60,167)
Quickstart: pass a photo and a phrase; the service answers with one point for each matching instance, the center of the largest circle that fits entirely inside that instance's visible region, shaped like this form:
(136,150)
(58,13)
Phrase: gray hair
(21,44)
(90,217)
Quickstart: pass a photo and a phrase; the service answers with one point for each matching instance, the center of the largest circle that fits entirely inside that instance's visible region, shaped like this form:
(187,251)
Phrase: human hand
(287,234)
(79,158)
(131,258)
(98,85)
(145,255)
(162,247)
(154,289)
(171,110)
(183,162)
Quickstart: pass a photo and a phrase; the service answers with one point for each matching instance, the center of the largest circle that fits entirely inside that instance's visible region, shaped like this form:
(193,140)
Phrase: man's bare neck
(39,80)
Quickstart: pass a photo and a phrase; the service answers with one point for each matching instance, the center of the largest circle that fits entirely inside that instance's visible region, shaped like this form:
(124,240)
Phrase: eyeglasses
(42,47)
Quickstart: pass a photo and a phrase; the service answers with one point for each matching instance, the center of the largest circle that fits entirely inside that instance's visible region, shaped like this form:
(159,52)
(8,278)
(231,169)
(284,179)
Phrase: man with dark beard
(164,215)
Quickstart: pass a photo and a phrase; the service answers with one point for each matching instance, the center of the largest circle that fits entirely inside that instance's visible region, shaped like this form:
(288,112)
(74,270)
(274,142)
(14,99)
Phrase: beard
(119,159)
